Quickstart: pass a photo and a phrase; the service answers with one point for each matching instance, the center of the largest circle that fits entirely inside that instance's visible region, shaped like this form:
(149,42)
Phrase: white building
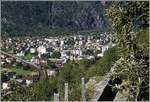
(5,86)
(28,82)
(61,43)
(36,61)
(63,54)
(50,40)
(8,60)
(2,56)
(100,55)
(80,37)
(19,80)
(32,59)
(32,50)
(104,48)
(80,43)
(79,58)
(77,52)
(51,72)
(71,58)
(91,57)
(74,37)
(41,49)
(21,53)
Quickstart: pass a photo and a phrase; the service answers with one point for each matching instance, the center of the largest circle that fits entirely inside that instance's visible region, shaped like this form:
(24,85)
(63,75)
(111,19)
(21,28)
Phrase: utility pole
(56,97)
(83,91)
(66,92)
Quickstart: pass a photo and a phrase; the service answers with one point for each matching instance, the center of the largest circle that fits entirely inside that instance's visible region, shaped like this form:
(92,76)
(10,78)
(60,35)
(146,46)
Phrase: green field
(21,71)
(27,57)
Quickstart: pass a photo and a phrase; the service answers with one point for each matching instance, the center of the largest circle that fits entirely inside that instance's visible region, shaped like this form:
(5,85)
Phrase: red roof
(28,78)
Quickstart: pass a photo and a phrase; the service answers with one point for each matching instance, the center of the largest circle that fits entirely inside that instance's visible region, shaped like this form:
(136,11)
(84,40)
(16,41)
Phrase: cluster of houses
(75,47)
(70,47)
(9,76)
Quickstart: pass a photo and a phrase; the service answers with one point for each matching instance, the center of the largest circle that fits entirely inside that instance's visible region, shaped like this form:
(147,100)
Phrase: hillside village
(49,52)
(75,51)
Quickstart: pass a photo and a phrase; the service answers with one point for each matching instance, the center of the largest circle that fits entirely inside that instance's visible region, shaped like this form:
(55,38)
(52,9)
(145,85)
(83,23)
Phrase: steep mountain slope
(41,17)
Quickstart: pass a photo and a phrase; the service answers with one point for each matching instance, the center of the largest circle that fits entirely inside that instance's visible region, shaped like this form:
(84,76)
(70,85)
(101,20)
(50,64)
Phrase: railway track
(42,71)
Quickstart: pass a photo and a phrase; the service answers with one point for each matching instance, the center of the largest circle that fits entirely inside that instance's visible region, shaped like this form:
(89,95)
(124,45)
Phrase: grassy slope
(143,40)
(27,57)
(21,71)
(103,65)
(18,69)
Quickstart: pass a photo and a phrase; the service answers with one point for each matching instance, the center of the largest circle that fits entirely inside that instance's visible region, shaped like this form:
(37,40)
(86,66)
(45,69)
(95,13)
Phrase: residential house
(8,60)
(62,45)
(51,72)
(77,52)
(32,50)
(5,86)
(19,78)
(41,50)
(11,75)
(35,60)
(21,53)
(29,80)
(63,54)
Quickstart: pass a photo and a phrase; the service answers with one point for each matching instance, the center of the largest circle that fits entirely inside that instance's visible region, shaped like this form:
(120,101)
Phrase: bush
(103,65)
(56,54)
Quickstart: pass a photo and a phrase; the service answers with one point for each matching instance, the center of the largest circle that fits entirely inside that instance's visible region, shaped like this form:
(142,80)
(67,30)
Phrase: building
(41,49)
(51,72)
(5,86)
(32,50)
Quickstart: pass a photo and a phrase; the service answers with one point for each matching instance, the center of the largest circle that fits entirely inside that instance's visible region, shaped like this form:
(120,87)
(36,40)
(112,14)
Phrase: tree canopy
(129,20)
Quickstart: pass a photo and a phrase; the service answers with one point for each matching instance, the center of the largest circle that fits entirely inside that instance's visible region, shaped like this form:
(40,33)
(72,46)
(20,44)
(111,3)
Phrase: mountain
(30,17)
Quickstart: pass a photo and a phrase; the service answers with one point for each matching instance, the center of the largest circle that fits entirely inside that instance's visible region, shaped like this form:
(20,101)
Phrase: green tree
(103,65)
(70,74)
(56,54)
(42,91)
(128,19)
(2,77)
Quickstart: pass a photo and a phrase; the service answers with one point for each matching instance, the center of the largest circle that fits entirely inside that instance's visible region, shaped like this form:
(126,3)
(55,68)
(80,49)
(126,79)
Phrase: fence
(83,92)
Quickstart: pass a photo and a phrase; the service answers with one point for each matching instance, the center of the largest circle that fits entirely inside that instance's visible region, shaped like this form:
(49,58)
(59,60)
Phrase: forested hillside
(46,17)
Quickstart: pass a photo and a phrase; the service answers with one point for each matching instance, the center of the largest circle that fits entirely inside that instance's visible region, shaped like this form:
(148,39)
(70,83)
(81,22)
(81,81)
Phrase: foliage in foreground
(130,19)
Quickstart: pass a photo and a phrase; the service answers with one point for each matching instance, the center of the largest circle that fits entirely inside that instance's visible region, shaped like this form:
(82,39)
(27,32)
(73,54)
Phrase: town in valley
(49,52)
(74,50)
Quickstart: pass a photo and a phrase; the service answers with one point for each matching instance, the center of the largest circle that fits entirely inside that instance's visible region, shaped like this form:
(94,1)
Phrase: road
(42,72)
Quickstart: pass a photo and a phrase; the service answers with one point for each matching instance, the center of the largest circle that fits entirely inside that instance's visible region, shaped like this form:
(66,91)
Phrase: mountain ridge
(40,17)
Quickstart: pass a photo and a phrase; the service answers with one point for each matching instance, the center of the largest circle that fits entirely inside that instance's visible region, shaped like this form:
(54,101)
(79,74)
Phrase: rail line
(42,71)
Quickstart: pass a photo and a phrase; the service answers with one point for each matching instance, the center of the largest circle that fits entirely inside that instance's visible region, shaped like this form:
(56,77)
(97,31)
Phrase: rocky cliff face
(34,16)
